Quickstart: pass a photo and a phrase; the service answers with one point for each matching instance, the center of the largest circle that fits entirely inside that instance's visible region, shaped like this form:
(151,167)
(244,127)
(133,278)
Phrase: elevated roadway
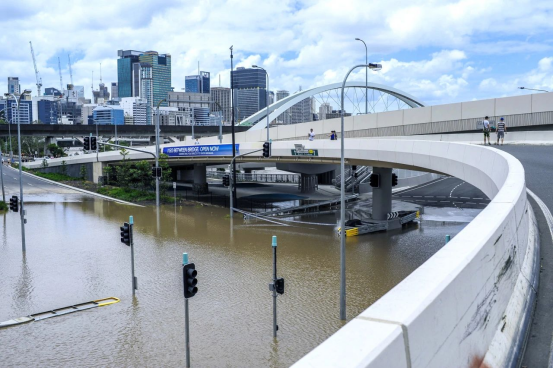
(59,130)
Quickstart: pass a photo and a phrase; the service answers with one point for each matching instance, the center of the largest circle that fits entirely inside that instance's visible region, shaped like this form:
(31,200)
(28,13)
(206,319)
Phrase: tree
(57,151)
(166,171)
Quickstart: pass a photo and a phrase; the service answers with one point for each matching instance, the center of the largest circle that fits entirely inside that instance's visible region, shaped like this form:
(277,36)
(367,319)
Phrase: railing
(254,177)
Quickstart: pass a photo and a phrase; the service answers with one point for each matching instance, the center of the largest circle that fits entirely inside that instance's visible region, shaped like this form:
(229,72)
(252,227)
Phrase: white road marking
(466,198)
(478,198)
(29,184)
(416,188)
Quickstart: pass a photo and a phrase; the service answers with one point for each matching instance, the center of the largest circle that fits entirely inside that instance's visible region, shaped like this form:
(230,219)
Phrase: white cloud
(300,43)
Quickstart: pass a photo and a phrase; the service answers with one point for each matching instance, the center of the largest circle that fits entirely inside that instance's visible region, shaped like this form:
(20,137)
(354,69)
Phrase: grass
(56,176)
(3,206)
(132,195)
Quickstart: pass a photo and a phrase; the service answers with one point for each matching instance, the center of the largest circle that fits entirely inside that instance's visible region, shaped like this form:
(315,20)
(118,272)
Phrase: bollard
(447,239)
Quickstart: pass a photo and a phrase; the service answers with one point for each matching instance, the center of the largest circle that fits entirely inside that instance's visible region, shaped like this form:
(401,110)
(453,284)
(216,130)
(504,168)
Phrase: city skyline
(483,50)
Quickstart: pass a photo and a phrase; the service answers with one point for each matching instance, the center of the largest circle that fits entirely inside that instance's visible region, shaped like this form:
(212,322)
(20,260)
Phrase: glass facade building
(124,71)
(108,115)
(48,111)
(161,75)
(198,84)
(250,89)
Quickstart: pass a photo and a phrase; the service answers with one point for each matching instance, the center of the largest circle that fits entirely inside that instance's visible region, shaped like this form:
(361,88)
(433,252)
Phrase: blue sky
(439,51)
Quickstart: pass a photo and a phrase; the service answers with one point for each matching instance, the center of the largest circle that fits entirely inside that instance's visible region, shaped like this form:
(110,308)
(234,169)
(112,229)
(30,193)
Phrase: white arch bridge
(286,103)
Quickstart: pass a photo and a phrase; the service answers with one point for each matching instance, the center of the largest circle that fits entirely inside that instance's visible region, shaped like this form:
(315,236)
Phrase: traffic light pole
(2,177)
(134,281)
(275,326)
(232,179)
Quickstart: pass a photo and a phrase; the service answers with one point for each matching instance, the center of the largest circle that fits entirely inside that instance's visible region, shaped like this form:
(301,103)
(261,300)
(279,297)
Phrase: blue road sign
(201,150)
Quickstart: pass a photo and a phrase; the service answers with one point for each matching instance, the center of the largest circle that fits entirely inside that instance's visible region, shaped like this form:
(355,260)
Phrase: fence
(254,177)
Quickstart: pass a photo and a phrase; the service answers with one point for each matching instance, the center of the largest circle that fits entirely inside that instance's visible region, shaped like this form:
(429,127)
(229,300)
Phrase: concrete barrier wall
(452,310)
(523,110)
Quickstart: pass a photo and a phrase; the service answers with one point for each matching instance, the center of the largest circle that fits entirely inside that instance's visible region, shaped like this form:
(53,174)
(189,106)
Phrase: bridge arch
(281,106)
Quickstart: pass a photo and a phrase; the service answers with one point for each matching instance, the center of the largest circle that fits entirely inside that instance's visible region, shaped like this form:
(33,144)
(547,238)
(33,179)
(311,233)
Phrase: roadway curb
(79,189)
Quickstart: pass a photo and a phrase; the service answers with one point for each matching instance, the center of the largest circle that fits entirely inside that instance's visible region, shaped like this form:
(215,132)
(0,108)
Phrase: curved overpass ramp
(470,304)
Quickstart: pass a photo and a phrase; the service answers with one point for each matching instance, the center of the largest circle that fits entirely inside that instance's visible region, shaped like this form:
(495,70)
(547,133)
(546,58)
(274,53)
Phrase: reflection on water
(74,255)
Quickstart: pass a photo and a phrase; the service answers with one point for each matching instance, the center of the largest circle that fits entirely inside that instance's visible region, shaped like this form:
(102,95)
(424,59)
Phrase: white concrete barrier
(466,305)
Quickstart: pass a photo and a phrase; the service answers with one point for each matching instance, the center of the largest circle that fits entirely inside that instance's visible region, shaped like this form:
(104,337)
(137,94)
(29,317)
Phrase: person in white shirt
(486,129)
(197,142)
(311,135)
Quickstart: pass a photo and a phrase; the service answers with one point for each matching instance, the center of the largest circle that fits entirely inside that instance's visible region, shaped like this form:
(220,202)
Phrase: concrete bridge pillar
(47,141)
(308,183)
(200,179)
(382,196)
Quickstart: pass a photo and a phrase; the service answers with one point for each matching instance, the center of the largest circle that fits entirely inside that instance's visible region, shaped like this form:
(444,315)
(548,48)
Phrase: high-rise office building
(283,118)
(105,115)
(52,91)
(324,110)
(114,91)
(125,71)
(13,85)
(161,75)
(198,83)
(302,111)
(250,88)
(220,97)
(102,95)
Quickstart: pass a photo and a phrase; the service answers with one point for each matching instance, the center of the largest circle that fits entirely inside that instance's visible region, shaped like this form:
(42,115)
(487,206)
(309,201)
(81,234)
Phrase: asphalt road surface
(445,192)
(538,165)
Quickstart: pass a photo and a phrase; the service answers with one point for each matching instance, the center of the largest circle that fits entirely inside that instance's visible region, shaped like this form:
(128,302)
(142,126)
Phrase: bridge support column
(47,141)
(382,196)
(200,179)
(98,172)
(308,183)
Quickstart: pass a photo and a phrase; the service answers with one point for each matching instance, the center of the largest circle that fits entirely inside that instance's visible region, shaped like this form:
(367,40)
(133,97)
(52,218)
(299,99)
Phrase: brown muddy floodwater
(74,255)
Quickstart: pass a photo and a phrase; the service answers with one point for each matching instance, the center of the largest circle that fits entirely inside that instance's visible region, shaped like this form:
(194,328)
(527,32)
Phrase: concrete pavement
(539,176)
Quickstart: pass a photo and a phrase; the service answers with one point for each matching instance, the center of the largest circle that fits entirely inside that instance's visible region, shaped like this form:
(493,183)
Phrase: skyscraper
(324,110)
(250,88)
(220,97)
(124,71)
(114,91)
(283,118)
(198,83)
(13,85)
(161,74)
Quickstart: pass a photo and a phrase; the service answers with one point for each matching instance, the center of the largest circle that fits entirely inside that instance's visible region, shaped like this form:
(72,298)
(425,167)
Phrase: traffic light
(374,180)
(279,286)
(226,180)
(14,203)
(394,179)
(189,274)
(86,144)
(93,146)
(266,149)
(126,234)
(156,172)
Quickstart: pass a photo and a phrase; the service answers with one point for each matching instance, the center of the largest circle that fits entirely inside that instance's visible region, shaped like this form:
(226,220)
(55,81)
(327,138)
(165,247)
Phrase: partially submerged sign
(300,150)
(201,150)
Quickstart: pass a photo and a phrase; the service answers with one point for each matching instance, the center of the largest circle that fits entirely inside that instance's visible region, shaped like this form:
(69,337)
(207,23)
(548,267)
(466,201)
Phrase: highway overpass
(64,130)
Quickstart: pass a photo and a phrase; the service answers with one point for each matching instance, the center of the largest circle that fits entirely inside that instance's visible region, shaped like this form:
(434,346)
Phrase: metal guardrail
(262,178)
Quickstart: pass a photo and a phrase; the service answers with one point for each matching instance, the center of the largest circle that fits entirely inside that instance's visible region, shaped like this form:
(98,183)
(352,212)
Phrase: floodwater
(74,255)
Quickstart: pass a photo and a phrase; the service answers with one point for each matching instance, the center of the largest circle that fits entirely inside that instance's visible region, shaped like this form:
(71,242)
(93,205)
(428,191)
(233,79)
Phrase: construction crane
(70,71)
(38,79)
(61,81)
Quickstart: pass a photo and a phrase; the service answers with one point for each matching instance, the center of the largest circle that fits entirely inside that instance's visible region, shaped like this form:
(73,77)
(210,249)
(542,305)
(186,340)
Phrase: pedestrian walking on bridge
(486,129)
(311,135)
(501,129)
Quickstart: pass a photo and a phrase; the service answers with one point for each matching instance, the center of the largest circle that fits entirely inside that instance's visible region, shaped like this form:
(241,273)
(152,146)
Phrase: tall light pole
(343,198)
(533,89)
(366,77)
(18,102)
(233,166)
(157,152)
(266,97)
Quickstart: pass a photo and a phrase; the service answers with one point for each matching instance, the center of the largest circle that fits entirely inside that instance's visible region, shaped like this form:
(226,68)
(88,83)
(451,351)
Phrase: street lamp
(266,97)
(18,102)
(343,198)
(533,89)
(366,77)
(157,152)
